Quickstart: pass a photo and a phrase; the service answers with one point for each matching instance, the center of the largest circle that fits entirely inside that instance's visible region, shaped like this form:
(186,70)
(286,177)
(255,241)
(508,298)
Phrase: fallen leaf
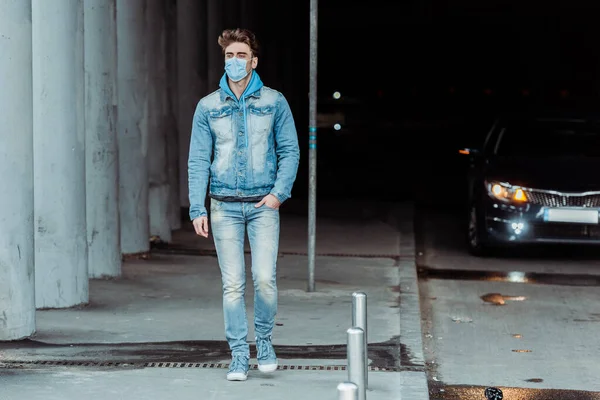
(500,299)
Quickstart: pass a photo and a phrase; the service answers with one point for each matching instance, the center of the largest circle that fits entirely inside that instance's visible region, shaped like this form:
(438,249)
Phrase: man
(244,142)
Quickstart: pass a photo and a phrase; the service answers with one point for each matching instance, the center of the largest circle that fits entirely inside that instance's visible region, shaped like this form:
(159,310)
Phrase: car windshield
(550,138)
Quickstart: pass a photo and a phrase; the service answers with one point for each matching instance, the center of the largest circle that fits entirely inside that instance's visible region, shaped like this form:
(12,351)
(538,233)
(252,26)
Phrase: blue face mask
(236,68)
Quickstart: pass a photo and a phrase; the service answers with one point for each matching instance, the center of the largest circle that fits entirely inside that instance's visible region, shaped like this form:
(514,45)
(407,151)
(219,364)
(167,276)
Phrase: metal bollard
(347,391)
(359,320)
(356,360)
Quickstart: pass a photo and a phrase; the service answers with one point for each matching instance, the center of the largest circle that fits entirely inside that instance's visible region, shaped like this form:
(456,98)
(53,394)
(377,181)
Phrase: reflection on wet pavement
(510,276)
(438,392)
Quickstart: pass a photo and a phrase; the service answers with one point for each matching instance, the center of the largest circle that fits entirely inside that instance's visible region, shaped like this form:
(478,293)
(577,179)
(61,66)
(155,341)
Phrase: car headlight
(505,192)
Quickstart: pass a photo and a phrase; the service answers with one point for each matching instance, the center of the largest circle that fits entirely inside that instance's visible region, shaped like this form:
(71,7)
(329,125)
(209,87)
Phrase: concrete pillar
(214,54)
(61,273)
(17,295)
(172,132)
(191,77)
(102,164)
(159,190)
(131,127)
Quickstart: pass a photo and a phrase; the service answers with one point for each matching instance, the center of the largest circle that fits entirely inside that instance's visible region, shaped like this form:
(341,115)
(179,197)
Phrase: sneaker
(267,360)
(238,368)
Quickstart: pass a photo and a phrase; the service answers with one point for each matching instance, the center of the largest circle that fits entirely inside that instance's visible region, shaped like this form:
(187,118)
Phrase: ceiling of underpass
(418,62)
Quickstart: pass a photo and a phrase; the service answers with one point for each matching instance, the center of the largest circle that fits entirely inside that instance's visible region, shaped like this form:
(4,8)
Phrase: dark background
(421,79)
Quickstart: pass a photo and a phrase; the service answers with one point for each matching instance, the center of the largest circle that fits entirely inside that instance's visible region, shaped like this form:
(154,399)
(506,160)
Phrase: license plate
(571,215)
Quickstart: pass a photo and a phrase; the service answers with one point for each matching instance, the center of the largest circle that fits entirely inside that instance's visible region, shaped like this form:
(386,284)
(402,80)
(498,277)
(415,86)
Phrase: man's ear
(254,62)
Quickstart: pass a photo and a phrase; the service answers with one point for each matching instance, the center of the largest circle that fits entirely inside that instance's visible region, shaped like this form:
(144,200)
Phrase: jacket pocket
(221,123)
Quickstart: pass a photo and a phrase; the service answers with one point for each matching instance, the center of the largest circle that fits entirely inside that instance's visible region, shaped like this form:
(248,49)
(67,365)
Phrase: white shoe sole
(237,376)
(267,367)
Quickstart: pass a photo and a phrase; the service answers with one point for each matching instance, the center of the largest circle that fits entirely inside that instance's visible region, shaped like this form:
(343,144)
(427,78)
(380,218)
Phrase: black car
(535,179)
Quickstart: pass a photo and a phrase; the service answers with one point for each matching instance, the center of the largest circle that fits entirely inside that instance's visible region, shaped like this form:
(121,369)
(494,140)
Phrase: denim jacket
(245,148)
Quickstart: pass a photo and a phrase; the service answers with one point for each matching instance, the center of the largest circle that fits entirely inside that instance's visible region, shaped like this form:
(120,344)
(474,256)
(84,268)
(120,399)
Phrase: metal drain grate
(252,366)
(284,367)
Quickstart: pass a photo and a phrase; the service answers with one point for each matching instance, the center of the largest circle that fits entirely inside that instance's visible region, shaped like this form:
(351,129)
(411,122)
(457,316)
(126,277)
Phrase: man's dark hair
(239,35)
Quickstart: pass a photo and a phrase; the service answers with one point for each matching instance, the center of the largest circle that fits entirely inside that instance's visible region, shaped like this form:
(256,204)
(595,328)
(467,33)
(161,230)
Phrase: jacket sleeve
(287,150)
(201,148)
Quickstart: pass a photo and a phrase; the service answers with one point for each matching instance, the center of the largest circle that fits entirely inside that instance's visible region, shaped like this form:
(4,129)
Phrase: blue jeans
(229,223)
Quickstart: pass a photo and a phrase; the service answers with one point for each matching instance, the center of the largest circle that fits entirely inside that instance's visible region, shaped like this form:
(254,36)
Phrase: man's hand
(201,226)
(270,201)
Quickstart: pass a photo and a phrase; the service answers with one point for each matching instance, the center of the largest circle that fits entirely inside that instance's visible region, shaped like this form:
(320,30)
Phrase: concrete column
(102,164)
(214,54)
(191,77)
(131,127)
(159,189)
(171,124)
(17,295)
(61,273)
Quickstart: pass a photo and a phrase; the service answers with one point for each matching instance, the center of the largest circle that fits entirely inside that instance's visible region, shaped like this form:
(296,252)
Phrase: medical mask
(236,68)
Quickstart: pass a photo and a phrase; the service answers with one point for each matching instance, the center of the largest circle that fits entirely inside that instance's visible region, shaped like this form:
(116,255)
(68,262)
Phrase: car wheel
(476,235)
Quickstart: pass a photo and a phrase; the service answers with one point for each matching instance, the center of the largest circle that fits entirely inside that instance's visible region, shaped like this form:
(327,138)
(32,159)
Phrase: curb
(415,385)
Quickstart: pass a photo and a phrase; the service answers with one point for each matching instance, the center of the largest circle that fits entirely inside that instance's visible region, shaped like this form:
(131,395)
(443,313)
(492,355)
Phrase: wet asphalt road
(525,321)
